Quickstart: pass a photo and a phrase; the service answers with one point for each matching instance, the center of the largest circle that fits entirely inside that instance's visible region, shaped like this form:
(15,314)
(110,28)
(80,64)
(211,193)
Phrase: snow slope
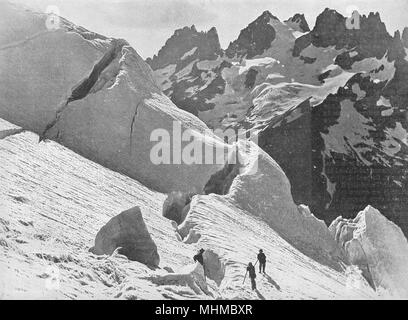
(53,202)
(96,97)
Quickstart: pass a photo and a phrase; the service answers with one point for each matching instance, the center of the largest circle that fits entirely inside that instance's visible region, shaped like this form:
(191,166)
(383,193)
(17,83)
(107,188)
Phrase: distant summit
(298,22)
(371,39)
(405,37)
(254,39)
(202,45)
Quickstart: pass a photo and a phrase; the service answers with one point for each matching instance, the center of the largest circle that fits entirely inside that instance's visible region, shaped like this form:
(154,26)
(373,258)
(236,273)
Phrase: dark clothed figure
(262,261)
(252,275)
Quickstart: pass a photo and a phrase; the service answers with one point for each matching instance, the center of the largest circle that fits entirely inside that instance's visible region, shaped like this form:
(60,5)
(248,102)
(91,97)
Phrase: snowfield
(53,202)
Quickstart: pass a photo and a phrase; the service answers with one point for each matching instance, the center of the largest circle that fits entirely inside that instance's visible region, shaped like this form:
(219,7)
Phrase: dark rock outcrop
(371,39)
(182,41)
(185,50)
(366,173)
(250,78)
(128,232)
(254,39)
(199,101)
(405,37)
(287,140)
(346,153)
(300,21)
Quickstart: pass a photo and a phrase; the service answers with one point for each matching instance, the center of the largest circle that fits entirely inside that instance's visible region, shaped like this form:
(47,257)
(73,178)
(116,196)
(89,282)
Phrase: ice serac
(94,95)
(34,81)
(263,189)
(378,247)
(175,207)
(260,188)
(127,233)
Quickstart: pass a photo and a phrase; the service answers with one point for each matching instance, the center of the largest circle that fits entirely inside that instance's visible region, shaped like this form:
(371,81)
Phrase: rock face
(254,39)
(287,140)
(127,231)
(298,22)
(188,70)
(360,152)
(369,39)
(187,44)
(349,149)
(378,247)
(405,37)
(215,87)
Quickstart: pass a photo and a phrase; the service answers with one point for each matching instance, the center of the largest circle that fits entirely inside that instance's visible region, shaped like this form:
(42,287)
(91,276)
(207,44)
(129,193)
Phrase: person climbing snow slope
(262,261)
(252,275)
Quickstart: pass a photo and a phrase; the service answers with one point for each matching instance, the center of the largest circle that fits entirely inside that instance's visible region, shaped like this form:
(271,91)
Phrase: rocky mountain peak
(266,15)
(255,38)
(329,20)
(298,22)
(370,39)
(405,37)
(184,42)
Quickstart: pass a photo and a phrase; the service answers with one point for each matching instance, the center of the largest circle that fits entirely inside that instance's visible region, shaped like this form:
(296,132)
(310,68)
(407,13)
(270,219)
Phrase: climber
(252,275)
(262,261)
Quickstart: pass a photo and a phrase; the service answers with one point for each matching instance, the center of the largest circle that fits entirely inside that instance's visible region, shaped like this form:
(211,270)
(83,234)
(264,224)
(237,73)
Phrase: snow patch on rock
(378,69)
(350,130)
(395,136)
(188,53)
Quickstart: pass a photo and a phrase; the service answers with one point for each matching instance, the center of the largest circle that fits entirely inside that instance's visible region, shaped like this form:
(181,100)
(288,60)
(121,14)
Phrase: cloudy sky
(147,24)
